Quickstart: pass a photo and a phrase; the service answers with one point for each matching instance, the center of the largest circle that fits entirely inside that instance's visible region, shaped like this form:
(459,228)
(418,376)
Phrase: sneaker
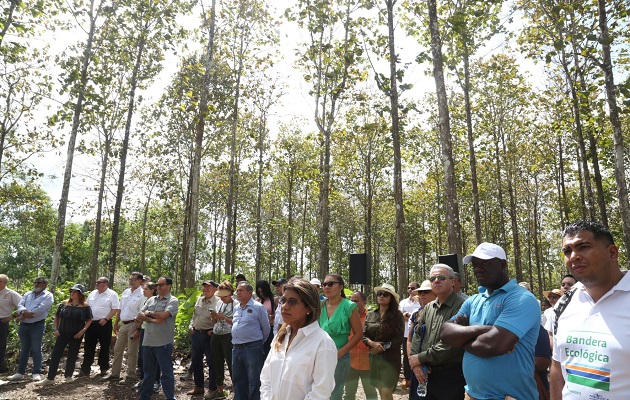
(36,377)
(45,382)
(156,387)
(70,379)
(212,394)
(124,380)
(137,385)
(103,372)
(110,377)
(186,377)
(220,394)
(16,377)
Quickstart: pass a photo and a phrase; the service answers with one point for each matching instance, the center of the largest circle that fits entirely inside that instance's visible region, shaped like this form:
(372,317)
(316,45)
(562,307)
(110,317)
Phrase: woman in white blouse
(302,360)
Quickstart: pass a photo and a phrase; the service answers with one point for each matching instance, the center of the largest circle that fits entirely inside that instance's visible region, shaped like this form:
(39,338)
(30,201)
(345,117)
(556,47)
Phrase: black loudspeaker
(452,260)
(360,268)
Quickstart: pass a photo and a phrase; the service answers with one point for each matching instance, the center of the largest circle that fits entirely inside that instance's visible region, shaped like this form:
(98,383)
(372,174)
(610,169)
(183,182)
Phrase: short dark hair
(137,275)
(569,276)
(599,231)
(168,280)
(362,295)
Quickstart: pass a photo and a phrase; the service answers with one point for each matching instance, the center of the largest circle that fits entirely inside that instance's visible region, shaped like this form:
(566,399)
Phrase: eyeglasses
(135,279)
(412,287)
(439,278)
(292,301)
(329,283)
(161,284)
(100,282)
(383,294)
(39,283)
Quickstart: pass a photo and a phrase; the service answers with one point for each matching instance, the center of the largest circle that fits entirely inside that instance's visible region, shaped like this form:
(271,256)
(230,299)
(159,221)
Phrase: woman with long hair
(300,364)
(340,316)
(221,341)
(149,289)
(265,296)
(383,334)
(72,319)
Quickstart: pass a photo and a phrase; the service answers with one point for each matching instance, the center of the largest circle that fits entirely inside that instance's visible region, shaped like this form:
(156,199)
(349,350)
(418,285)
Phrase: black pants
(4,333)
(97,334)
(73,351)
(446,382)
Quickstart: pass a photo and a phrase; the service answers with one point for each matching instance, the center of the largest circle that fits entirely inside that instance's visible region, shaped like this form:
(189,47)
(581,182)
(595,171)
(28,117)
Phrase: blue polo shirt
(513,308)
(250,323)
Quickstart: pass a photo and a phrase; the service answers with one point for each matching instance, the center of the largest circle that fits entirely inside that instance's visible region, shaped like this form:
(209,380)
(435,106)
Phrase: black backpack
(562,305)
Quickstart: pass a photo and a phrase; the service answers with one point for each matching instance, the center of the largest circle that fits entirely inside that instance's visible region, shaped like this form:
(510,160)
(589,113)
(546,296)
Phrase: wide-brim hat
(78,288)
(557,292)
(222,292)
(280,281)
(386,287)
(425,285)
(486,251)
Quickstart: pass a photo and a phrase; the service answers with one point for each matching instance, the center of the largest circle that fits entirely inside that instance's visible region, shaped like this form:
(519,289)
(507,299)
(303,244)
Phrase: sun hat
(426,285)
(386,287)
(557,292)
(486,251)
(78,288)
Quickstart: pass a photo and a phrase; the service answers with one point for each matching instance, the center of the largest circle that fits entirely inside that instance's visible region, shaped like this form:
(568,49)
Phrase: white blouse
(305,371)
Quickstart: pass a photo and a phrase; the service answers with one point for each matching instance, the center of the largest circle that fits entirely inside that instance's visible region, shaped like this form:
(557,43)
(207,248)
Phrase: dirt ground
(94,388)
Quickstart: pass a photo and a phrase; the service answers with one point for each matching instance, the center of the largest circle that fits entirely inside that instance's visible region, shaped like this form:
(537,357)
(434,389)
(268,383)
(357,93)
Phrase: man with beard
(33,310)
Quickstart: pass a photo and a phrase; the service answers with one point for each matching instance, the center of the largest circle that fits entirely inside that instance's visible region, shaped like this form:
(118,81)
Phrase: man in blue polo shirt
(498,329)
(250,326)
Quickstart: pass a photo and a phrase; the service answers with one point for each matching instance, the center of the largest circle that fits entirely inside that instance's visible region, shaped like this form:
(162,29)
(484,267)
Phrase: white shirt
(277,319)
(305,371)
(407,305)
(103,303)
(130,304)
(548,319)
(593,340)
(9,301)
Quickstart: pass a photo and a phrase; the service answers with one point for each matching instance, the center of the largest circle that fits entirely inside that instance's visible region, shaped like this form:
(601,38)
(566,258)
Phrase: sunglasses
(424,291)
(290,301)
(383,294)
(439,278)
(329,283)
(412,288)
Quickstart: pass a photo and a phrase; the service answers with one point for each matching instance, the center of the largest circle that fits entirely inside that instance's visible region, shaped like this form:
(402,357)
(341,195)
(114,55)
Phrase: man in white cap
(318,284)
(498,329)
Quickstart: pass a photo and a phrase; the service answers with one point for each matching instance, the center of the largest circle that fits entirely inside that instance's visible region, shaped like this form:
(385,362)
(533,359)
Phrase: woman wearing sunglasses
(72,319)
(301,362)
(383,334)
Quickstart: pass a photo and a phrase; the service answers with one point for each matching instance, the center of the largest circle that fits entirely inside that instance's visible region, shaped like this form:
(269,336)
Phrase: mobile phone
(387,345)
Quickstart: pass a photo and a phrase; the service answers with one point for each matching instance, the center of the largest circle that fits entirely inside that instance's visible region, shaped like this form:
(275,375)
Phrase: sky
(295,103)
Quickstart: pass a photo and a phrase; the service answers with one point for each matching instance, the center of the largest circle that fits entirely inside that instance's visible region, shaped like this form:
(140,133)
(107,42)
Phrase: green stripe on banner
(593,383)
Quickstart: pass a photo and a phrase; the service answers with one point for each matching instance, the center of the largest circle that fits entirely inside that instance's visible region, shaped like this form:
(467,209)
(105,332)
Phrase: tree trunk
(65,190)
(451,208)
(398,189)
(99,208)
(620,172)
(123,160)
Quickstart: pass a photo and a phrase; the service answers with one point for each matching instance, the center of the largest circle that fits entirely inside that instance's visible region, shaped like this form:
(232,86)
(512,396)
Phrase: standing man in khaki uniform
(200,328)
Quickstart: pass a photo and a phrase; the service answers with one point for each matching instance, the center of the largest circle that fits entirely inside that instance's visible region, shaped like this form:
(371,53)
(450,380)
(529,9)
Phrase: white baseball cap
(316,281)
(486,251)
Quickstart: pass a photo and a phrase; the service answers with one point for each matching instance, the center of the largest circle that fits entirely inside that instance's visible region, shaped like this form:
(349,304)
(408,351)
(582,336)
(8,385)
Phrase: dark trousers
(140,371)
(445,383)
(200,348)
(73,351)
(4,333)
(406,368)
(97,334)
(221,353)
(267,343)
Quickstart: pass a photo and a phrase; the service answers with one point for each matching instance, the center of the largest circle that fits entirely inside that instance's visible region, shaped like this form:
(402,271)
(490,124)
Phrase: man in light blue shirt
(498,329)
(250,325)
(33,310)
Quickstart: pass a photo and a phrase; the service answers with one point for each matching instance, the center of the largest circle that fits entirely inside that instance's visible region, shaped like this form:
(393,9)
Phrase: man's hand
(462,319)
(102,321)
(7,319)
(421,373)
(27,314)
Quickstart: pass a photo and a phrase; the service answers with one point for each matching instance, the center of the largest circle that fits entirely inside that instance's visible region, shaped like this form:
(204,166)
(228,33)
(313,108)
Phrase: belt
(128,322)
(241,345)
(202,330)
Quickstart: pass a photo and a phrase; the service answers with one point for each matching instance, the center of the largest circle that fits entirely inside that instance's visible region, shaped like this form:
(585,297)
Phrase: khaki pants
(132,345)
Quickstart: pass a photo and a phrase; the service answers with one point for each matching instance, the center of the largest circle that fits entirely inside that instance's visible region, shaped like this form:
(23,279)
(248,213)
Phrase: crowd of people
(300,343)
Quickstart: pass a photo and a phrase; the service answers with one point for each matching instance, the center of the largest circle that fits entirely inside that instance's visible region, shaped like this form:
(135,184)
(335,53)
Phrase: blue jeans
(343,366)
(152,357)
(31,336)
(247,362)
(140,370)
(201,348)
